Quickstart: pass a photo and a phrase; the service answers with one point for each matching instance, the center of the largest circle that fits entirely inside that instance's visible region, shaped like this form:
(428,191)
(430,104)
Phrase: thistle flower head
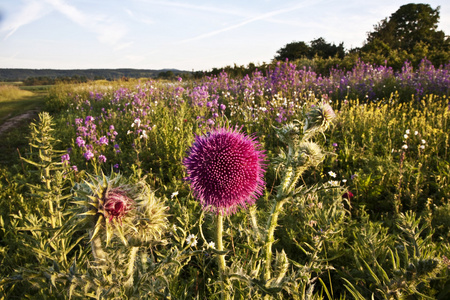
(225,169)
(118,207)
(116,204)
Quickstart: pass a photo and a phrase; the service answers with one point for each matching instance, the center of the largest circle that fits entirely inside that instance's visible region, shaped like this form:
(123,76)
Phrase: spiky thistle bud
(289,133)
(310,154)
(319,117)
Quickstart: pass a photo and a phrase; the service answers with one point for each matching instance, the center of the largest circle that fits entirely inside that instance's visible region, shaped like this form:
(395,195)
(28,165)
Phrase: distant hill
(92,74)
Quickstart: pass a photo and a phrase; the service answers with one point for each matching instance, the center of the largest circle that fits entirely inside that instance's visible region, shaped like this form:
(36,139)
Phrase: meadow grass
(14,101)
(369,219)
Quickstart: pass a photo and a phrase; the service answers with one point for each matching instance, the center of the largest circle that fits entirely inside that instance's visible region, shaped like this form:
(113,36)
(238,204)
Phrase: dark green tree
(318,47)
(408,26)
(293,51)
(323,49)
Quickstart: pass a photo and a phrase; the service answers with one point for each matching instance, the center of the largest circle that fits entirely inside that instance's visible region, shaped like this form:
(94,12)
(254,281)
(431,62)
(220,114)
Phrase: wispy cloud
(108,32)
(139,17)
(260,17)
(206,8)
(30,12)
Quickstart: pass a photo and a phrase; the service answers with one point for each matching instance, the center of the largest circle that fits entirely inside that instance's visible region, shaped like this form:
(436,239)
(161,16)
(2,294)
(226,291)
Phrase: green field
(355,204)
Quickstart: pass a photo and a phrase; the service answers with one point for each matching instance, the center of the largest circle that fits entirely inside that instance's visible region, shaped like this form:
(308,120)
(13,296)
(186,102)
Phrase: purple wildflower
(103,141)
(226,169)
(222,106)
(88,155)
(101,158)
(75,168)
(80,142)
(65,157)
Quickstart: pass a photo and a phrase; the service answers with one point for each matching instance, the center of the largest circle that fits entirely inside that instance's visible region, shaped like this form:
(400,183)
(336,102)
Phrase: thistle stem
(272,224)
(97,249)
(130,269)
(220,257)
(254,221)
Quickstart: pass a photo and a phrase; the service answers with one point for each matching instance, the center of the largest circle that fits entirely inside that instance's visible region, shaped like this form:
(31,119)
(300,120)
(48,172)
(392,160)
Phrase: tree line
(409,34)
(52,76)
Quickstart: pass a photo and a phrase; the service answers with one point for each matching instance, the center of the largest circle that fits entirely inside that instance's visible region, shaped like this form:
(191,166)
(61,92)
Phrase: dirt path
(18,120)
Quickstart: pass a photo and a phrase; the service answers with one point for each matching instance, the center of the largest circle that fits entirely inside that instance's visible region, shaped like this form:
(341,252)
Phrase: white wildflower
(143,135)
(173,194)
(332,174)
(407,131)
(405,146)
(212,245)
(191,240)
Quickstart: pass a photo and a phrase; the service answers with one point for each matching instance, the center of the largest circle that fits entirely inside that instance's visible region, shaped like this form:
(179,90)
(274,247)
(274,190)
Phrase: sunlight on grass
(15,101)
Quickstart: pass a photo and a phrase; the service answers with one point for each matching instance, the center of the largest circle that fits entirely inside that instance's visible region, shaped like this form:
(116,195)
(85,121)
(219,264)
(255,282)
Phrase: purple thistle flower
(226,170)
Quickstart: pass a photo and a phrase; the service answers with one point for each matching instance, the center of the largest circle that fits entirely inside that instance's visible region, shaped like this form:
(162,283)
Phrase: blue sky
(186,35)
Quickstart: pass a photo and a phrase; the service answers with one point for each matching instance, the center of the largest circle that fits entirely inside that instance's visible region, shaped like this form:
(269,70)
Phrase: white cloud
(139,17)
(265,16)
(108,32)
(185,6)
(30,12)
